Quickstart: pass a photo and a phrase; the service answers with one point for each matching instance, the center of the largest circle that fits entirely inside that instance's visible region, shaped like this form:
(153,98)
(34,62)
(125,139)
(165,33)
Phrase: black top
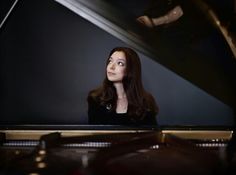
(102,114)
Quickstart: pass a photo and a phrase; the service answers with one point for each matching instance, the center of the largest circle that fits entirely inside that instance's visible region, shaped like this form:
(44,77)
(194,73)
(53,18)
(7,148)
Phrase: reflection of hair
(139,101)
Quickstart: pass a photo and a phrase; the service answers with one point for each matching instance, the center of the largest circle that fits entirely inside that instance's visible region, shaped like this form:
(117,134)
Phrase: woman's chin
(115,80)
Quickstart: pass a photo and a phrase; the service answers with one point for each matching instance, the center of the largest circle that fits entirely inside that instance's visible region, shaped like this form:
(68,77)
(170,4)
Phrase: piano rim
(212,135)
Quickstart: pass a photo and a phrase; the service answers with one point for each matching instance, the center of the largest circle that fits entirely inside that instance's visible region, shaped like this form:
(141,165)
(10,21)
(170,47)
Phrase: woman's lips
(111,73)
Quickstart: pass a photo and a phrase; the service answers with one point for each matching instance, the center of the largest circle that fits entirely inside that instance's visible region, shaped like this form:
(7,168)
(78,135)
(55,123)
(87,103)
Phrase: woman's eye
(121,63)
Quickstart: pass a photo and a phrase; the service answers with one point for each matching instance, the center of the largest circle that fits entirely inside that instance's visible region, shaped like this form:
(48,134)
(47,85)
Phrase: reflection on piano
(146,152)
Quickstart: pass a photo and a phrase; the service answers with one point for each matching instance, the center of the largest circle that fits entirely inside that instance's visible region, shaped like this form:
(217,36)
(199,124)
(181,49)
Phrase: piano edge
(184,134)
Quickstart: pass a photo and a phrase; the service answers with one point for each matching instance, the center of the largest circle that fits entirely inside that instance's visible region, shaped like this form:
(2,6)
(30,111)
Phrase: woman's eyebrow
(121,59)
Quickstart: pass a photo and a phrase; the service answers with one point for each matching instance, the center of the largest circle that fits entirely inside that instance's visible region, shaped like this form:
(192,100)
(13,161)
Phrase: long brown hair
(139,101)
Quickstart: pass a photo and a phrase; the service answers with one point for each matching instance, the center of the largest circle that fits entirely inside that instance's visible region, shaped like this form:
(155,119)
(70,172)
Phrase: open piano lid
(212,68)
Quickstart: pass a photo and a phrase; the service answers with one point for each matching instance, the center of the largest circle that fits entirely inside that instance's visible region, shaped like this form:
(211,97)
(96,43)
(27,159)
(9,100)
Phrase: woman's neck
(120,90)
(122,102)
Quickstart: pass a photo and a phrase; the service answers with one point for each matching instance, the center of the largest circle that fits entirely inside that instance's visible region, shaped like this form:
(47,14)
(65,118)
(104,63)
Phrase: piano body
(50,49)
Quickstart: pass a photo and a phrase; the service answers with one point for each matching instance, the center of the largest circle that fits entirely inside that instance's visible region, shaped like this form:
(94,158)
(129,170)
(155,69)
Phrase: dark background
(51,58)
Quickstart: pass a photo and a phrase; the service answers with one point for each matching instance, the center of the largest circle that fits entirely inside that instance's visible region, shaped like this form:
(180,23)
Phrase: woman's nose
(112,66)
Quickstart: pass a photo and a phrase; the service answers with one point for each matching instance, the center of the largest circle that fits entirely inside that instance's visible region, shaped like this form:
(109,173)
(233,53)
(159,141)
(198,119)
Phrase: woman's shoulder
(93,96)
(151,103)
(149,98)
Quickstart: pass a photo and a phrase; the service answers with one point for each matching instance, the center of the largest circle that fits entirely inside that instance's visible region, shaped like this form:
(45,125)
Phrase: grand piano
(53,52)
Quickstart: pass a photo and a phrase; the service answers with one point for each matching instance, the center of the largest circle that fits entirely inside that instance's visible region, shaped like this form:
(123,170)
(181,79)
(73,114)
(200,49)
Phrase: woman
(122,100)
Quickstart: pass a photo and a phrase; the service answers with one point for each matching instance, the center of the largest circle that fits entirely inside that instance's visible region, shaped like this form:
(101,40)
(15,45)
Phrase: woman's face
(116,67)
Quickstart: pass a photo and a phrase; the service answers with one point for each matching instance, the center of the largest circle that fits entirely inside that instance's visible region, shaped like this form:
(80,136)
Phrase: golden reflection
(41,165)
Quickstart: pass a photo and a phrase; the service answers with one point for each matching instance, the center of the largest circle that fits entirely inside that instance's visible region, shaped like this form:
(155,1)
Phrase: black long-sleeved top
(102,114)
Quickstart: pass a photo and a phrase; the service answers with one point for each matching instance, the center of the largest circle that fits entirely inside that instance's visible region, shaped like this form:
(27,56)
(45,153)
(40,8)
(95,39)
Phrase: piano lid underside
(197,50)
